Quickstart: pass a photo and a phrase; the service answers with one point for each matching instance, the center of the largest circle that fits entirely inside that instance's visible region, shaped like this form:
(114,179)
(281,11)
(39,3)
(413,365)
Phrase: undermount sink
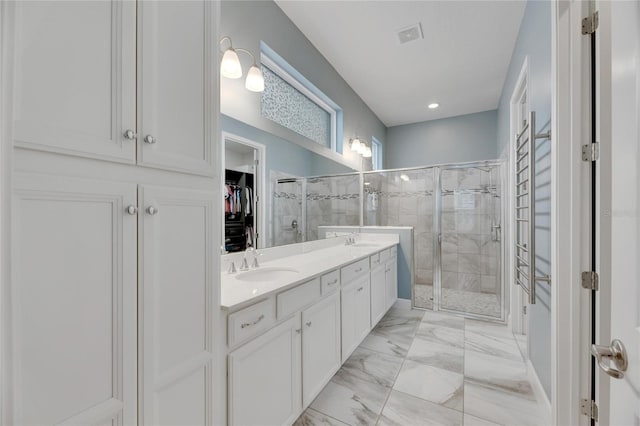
(365,245)
(272,273)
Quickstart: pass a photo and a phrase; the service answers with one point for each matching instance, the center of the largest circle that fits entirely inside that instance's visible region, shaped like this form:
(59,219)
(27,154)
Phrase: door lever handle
(616,353)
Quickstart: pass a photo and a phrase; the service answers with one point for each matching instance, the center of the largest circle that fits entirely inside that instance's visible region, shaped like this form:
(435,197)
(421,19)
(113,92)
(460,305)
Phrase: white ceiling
(461,63)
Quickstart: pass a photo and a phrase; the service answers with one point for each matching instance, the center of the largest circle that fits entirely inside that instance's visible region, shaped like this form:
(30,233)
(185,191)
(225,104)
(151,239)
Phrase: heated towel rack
(525,212)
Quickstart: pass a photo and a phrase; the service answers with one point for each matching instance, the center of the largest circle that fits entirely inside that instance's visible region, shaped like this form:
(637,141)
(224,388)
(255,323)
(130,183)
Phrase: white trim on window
(376,154)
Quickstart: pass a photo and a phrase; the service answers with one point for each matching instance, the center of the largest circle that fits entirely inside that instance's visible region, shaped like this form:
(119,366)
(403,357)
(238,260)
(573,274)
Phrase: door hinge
(590,23)
(589,408)
(590,280)
(590,152)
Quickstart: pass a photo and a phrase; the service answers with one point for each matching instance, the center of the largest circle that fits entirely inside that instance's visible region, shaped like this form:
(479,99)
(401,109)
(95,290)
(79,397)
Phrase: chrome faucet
(255,263)
(232,267)
(351,240)
(244,266)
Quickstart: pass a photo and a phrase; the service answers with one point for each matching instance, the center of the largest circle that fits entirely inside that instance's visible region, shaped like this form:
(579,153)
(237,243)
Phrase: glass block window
(294,109)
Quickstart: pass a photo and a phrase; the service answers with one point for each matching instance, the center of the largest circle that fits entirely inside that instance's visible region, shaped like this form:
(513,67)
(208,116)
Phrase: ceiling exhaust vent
(411,33)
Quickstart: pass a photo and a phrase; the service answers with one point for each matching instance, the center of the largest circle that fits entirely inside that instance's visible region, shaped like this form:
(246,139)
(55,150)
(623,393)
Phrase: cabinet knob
(309,324)
(298,330)
(149,139)
(152,210)
(130,134)
(131,209)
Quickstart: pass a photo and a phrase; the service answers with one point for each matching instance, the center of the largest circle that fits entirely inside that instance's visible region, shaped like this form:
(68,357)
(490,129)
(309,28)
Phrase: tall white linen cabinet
(110,218)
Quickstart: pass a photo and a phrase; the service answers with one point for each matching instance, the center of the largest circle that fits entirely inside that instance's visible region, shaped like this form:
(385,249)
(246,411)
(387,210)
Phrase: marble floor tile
(406,410)
(386,345)
(469,420)
(492,329)
(351,400)
(499,373)
(433,384)
(437,355)
(503,347)
(311,417)
(443,320)
(501,407)
(439,334)
(372,366)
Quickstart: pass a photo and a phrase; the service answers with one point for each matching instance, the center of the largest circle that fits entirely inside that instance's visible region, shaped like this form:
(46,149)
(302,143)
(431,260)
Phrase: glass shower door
(470,212)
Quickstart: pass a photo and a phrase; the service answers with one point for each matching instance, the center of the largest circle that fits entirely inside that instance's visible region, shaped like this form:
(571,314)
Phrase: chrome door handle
(131,209)
(149,139)
(616,353)
(129,134)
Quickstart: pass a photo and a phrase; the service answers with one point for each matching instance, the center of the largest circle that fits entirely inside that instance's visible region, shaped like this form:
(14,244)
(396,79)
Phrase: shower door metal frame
(437,241)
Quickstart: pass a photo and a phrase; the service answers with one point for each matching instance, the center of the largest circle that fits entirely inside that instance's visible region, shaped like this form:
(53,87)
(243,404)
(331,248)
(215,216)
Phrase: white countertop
(330,254)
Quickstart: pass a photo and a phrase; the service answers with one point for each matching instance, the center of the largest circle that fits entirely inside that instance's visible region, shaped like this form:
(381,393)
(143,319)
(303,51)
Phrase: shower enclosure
(456,211)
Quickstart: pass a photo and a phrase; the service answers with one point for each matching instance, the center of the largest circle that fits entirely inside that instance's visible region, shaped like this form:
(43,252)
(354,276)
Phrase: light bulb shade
(255,79)
(355,145)
(367,153)
(362,149)
(230,66)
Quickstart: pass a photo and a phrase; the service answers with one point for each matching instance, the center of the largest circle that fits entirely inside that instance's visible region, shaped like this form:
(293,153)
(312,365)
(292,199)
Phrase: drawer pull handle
(309,324)
(249,324)
(361,288)
(358,270)
(298,330)
(333,282)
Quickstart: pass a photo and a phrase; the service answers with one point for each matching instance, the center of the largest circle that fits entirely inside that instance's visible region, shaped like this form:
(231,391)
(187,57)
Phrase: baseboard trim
(538,390)
(404,304)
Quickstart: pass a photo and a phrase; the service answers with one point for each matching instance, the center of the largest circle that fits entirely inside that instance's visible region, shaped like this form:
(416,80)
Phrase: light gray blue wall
(283,155)
(250,22)
(449,140)
(534,43)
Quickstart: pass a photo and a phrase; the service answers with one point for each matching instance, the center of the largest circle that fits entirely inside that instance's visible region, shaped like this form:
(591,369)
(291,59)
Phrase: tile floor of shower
(430,368)
(452,299)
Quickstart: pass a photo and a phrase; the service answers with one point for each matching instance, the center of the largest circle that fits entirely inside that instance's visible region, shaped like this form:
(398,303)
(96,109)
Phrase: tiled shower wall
(470,243)
(405,198)
(333,200)
(287,211)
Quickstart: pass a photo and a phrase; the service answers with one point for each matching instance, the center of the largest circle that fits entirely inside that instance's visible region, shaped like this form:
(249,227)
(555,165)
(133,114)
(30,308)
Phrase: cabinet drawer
(250,321)
(376,259)
(330,282)
(350,272)
(298,297)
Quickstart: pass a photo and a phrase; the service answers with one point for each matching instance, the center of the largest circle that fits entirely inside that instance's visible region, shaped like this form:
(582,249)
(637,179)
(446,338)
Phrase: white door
(74,77)
(265,383)
(320,346)
(391,273)
(378,293)
(176,285)
(363,308)
(71,352)
(177,57)
(618,311)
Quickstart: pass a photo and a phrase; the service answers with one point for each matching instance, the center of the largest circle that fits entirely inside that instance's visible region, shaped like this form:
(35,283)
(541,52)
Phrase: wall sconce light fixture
(230,67)
(360,146)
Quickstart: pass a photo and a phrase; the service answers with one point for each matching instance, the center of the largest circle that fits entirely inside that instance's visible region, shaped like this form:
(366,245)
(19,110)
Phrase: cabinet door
(355,311)
(178,84)
(176,285)
(320,346)
(391,273)
(378,293)
(265,383)
(74,77)
(73,303)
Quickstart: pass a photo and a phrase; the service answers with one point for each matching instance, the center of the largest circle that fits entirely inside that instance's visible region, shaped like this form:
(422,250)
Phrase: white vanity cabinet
(265,377)
(104,66)
(378,288)
(356,311)
(320,346)
(391,280)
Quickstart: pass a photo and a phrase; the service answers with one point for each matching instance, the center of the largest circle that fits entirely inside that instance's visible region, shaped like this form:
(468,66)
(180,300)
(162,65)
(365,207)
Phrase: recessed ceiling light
(434,105)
